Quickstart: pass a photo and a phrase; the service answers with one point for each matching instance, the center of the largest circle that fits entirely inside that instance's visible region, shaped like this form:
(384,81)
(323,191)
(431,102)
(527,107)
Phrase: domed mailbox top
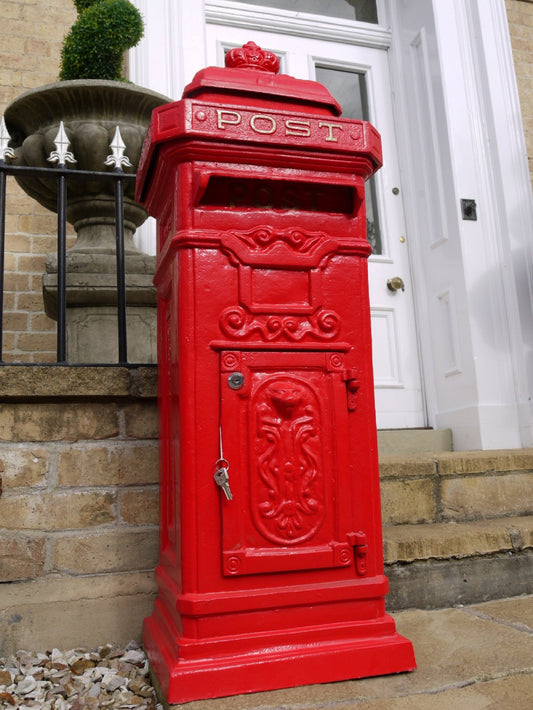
(253,72)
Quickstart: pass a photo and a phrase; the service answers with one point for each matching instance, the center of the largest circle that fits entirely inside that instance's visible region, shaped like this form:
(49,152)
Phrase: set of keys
(222,477)
(221,474)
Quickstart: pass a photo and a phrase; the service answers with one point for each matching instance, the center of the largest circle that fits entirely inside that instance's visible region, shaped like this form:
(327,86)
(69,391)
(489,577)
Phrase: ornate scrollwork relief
(237,324)
(262,238)
(282,247)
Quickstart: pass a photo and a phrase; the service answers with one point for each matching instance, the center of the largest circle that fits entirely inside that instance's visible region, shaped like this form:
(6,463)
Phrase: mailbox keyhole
(236,380)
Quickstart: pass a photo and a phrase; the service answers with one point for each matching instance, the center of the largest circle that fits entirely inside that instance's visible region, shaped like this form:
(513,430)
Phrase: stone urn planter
(91,110)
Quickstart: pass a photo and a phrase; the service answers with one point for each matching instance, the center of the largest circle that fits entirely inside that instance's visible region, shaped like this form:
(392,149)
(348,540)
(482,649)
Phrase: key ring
(222,463)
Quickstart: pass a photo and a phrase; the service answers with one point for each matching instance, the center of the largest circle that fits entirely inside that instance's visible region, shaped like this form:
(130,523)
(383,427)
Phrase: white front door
(358,77)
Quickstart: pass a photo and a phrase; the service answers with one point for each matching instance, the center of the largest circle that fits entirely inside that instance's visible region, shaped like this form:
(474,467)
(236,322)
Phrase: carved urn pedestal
(271,567)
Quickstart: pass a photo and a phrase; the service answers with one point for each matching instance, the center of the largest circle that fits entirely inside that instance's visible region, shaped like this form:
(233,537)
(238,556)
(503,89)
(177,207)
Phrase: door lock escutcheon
(469,210)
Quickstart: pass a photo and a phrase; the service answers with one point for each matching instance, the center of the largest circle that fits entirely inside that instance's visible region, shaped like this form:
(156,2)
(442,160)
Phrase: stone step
(444,541)
(413,441)
(436,565)
(456,486)
(458,526)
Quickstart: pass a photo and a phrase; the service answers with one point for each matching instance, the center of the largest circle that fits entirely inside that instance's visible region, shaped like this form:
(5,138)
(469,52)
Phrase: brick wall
(520,15)
(79,503)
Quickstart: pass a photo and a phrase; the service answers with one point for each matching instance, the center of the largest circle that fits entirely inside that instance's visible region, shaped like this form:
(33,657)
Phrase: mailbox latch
(360,548)
(352,387)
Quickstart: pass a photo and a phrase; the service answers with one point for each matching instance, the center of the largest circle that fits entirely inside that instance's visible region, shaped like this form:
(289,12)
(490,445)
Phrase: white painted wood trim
(225,12)
(173,48)
(514,206)
(170,53)
(478,133)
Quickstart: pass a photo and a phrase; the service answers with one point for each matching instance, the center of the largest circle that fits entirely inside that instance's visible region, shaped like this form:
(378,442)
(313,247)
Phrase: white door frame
(481,141)
(474,301)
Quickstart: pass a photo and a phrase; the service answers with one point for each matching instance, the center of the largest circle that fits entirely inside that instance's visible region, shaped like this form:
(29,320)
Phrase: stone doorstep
(445,541)
(434,565)
(456,486)
(455,463)
(413,441)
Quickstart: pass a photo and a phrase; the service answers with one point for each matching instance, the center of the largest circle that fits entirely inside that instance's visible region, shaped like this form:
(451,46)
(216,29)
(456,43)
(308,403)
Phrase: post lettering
(265,124)
(297,128)
(262,117)
(326,124)
(227,118)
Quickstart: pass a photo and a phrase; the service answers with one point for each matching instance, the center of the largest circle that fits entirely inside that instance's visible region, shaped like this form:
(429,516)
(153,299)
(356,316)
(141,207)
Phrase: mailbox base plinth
(233,664)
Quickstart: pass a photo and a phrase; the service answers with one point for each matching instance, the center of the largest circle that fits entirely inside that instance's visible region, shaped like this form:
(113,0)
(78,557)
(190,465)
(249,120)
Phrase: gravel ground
(108,677)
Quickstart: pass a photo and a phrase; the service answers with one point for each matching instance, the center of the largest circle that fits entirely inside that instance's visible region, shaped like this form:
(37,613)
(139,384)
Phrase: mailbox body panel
(265,363)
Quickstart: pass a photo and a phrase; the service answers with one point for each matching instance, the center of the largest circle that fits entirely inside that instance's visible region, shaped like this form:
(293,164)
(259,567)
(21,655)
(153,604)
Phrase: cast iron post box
(271,569)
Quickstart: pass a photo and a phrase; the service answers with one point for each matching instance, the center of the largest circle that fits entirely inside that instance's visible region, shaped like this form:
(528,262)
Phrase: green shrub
(94,48)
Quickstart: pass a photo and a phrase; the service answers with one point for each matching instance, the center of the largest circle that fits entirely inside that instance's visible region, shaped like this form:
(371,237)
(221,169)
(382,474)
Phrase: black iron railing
(63,175)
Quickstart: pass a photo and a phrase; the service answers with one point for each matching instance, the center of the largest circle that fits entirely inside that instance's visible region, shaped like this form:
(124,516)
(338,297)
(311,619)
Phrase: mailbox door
(284,433)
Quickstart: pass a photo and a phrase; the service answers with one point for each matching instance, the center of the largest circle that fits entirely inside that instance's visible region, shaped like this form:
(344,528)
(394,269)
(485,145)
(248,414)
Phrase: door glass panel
(349,88)
(361,10)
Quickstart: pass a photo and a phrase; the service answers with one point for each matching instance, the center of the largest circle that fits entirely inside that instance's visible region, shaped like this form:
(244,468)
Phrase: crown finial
(250,56)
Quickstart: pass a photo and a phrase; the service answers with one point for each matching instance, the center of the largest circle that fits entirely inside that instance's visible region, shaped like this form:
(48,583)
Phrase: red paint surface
(262,270)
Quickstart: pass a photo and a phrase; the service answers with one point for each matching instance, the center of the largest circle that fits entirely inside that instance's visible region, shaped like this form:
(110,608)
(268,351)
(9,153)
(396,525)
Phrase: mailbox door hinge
(360,550)
(352,387)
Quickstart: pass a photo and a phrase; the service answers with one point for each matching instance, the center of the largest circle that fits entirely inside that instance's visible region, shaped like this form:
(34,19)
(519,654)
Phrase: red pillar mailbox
(271,568)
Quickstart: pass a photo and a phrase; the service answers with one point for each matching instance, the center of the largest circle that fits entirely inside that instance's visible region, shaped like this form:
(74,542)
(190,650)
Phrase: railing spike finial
(117,159)
(61,142)
(5,150)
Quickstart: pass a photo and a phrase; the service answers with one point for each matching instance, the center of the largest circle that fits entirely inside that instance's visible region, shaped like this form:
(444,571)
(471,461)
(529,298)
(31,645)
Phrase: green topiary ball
(95,46)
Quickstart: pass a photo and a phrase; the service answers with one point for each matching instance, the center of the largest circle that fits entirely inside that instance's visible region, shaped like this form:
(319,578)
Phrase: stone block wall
(79,504)
(458,526)
(456,487)
(520,16)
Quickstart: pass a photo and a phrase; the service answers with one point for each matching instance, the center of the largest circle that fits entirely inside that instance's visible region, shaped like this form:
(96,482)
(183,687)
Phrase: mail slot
(271,568)
(254,193)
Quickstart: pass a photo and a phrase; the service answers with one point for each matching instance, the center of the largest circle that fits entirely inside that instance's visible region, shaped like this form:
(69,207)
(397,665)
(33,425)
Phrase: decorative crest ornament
(5,150)
(61,153)
(250,56)
(117,159)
